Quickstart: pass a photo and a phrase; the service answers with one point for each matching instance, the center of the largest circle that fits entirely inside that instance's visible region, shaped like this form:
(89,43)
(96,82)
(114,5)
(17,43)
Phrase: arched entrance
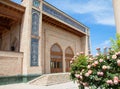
(56,63)
(68,56)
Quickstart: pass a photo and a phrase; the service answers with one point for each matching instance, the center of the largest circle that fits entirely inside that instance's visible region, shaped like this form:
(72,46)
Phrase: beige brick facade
(10,63)
(52,29)
(63,38)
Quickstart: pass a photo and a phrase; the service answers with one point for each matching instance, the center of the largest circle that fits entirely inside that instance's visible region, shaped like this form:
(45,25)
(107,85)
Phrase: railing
(10,63)
(62,17)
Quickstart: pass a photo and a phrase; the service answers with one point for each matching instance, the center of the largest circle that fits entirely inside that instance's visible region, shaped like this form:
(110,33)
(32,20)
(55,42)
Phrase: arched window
(68,56)
(56,59)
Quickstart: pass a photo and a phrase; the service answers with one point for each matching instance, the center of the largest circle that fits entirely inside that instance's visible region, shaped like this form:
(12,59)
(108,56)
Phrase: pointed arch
(69,51)
(56,48)
(68,56)
(56,61)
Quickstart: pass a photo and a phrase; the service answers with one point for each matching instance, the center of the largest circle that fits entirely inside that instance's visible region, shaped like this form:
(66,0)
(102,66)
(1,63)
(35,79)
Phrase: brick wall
(10,63)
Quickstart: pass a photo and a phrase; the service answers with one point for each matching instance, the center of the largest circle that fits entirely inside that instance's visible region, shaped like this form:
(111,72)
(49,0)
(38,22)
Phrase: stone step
(51,79)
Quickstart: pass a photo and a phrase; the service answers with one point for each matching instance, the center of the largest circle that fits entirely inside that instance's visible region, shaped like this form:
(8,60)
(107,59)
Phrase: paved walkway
(68,85)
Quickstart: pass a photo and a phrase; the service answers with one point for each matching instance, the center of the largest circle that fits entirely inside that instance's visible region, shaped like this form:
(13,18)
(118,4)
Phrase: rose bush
(102,70)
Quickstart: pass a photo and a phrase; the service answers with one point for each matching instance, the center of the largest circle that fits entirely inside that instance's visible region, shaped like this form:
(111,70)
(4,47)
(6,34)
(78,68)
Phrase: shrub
(102,70)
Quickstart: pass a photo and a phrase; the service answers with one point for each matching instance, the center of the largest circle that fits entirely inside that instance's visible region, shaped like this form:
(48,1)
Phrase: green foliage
(116,43)
(79,64)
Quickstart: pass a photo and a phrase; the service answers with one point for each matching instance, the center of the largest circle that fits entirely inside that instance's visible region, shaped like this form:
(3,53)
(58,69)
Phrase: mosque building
(37,38)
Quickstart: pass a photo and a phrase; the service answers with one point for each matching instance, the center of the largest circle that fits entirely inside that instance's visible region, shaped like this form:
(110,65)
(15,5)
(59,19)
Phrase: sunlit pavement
(68,85)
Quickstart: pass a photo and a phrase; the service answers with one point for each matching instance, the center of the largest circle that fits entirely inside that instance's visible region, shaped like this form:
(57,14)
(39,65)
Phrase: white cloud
(105,18)
(101,10)
(104,44)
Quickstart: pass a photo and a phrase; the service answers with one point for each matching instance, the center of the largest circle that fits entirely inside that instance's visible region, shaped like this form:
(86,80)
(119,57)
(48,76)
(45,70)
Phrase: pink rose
(97,54)
(116,82)
(114,56)
(71,62)
(82,53)
(118,62)
(104,67)
(93,64)
(77,75)
(89,66)
(100,73)
(90,72)
(101,60)
(118,53)
(77,54)
(85,84)
(109,82)
(81,77)
(87,74)
(73,59)
(97,48)
(108,67)
(116,78)
(96,62)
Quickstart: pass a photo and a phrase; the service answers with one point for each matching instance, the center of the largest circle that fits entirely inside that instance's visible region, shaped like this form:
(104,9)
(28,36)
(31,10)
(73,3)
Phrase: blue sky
(96,14)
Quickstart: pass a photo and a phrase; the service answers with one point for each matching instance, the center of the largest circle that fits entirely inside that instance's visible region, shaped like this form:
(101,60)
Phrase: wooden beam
(14,5)
(7,16)
(9,12)
(5,22)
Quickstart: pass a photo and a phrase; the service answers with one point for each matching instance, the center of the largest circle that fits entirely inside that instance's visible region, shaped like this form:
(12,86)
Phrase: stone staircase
(50,79)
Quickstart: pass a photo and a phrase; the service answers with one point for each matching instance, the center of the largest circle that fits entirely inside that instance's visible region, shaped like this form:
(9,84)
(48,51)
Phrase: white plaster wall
(116,5)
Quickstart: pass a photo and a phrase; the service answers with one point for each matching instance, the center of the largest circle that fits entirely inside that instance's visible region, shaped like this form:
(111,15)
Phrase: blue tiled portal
(62,17)
(35,22)
(35,41)
(34,52)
